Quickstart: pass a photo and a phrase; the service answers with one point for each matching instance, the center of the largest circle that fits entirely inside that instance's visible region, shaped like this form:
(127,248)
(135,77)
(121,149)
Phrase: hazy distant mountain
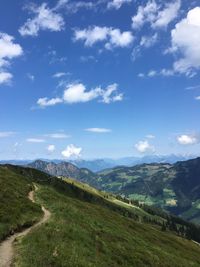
(15,162)
(101,164)
(97,165)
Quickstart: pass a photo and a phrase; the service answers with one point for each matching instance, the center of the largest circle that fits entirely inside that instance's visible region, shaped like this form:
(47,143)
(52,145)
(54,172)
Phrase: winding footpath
(6,247)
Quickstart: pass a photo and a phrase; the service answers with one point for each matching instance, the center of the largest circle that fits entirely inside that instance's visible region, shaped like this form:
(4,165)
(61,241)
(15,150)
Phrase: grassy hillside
(91,228)
(16,210)
(80,233)
(175,188)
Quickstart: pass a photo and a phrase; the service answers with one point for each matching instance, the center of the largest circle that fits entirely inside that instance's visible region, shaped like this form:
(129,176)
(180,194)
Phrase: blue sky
(91,79)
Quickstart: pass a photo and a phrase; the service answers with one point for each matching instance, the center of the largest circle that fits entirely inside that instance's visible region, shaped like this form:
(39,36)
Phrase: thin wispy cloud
(35,140)
(6,134)
(58,135)
(98,130)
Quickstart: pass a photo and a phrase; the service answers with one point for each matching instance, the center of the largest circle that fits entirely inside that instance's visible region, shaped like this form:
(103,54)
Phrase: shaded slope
(16,210)
(6,247)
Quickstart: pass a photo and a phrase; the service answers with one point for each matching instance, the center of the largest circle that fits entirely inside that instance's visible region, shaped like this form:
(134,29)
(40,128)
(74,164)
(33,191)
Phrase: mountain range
(173,187)
(97,165)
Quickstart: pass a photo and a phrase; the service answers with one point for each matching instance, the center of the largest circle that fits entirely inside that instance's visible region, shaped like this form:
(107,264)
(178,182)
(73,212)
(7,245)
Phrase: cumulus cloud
(57,135)
(44,19)
(45,102)
(77,93)
(71,151)
(112,37)
(8,51)
(197,97)
(6,134)
(185,40)
(158,15)
(186,139)
(98,130)
(144,147)
(117,3)
(5,77)
(35,140)
(51,148)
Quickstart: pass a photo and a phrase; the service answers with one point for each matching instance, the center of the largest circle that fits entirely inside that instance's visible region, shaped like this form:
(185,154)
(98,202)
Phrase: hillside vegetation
(86,234)
(93,228)
(175,188)
(16,210)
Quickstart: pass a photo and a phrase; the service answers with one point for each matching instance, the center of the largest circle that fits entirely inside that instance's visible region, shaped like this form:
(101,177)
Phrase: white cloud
(107,94)
(197,97)
(35,140)
(148,41)
(8,51)
(141,75)
(51,148)
(91,35)
(45,102)
(113,37)
(6,134)
(44,19)
(58,135)
(98,130)
(150,136)
(75,6)
(144,147)
(159,16)
(167,72)
(31,76)
(186,139)
(152,73)
(168,14)
(77,93)
(117,3)
(119,39)
(185,39)
(5,77)
(59,74)
(71,151)
(192,87)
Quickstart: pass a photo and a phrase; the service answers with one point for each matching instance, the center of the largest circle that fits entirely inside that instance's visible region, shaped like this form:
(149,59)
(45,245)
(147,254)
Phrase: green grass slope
(16,210)
(85,234)
(89,227)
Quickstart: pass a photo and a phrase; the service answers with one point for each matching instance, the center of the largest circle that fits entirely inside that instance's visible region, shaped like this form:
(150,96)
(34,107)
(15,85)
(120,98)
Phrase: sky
(99,79)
